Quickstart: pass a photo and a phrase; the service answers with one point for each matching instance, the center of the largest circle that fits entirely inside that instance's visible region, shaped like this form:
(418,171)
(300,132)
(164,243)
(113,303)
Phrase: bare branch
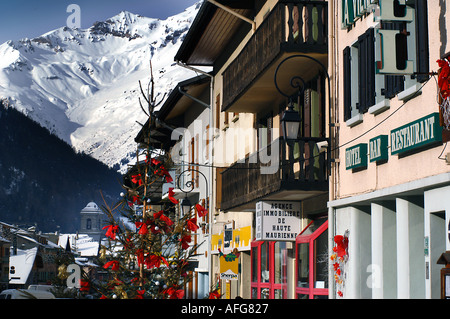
(142,108)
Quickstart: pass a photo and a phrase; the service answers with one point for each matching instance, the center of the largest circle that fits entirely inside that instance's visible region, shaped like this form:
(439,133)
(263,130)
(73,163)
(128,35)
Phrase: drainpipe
(193,98)
(333,127)
(211,143)
(240,16)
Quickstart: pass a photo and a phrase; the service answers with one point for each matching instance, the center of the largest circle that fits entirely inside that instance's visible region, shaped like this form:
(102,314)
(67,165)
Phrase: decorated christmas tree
(147,250)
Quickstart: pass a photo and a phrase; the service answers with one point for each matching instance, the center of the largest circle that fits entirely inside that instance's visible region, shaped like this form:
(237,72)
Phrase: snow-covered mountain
(82,85)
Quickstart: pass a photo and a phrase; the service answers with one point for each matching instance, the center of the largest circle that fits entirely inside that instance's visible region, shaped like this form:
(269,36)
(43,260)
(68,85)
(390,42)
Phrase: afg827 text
(246,308)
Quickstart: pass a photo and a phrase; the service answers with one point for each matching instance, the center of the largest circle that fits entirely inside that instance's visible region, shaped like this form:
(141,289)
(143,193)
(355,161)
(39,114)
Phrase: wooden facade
(291,27)
(301,171)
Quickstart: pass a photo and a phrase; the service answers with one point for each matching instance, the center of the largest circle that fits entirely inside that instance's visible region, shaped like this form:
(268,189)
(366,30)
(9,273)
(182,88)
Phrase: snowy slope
(83,86)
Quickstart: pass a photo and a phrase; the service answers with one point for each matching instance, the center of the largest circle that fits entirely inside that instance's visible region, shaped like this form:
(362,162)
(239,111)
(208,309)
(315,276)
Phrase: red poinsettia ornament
(214,294)
(444,78)
(143,230)
(136,179)
(111,231)
(161,170)
(84,285)
(192,224)
(160,215)
(341,245)
(201,211)
(154,261)
(174,292)
(114,264)
(185,240)
(171,196)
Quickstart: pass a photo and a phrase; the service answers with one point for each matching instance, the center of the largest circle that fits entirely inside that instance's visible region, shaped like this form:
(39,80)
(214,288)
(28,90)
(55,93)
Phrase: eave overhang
(212,30)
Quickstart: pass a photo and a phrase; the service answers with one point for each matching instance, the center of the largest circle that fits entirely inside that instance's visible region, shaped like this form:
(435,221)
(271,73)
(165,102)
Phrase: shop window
(269,262)
(312,261)
(303,265)
(264,253)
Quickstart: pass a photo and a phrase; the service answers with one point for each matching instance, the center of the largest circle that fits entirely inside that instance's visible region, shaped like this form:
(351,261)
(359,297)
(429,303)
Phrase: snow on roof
(30,239)
(52,244)
(3,239)
(22,263)
(84,262)
(85,245)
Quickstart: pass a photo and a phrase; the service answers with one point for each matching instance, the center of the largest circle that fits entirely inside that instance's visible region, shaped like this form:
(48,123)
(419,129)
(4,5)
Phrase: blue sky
(29,19)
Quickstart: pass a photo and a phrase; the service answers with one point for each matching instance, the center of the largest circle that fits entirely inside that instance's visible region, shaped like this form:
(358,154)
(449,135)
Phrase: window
(207,143)
(88,223)
(366,71)
(218,111)
(269,270)
(264,126)
(226,120)
(423,63)
(359,75)
(312,261)
(363,87)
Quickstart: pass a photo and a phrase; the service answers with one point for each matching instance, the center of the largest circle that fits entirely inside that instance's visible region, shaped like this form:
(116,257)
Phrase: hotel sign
(416,135)
(277,220)
(352,10)
(404,140)
(392,56)
(356,157)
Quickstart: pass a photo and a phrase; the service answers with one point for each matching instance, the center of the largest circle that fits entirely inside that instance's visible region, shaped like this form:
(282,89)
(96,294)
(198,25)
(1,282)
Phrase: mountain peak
(125,16)
(124,24)
(83,84)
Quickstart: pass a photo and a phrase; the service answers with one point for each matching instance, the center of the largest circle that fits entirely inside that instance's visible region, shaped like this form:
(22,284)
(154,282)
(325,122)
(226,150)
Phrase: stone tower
(92,220)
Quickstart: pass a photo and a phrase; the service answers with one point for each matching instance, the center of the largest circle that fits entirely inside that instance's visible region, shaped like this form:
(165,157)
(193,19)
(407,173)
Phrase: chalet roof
(212,31)
(177,103)
(171,113)
(23,263)
(85,245)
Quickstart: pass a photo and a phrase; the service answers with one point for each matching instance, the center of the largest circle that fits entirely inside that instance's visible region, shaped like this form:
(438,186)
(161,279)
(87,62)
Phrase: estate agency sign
(277,220)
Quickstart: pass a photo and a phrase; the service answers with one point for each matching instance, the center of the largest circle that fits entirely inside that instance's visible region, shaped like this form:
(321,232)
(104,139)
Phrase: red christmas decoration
(201,211)
(114,264)
(111,231)
(171,198)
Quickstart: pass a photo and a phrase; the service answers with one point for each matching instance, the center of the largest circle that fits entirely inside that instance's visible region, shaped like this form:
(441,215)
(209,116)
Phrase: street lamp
(290,121)
(290,124)
(185,206)
(185,202)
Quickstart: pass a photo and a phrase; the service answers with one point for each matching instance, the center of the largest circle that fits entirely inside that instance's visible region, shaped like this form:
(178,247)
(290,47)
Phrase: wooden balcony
(292,27)
(302,172)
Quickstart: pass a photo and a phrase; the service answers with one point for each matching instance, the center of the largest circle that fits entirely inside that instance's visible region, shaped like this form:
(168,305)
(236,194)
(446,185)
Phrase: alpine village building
(316,140)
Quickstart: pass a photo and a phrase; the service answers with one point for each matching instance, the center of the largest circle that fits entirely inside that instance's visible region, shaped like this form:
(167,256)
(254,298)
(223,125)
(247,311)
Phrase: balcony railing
(300,168)
(292,26)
